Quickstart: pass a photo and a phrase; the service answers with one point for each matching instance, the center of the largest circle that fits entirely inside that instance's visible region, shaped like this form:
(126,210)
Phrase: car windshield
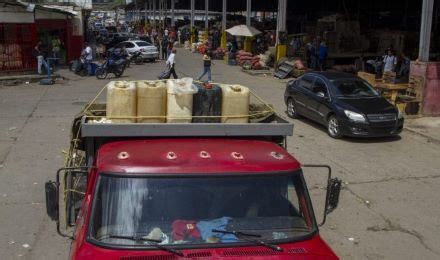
(353,88)
(143,44)
(177,210)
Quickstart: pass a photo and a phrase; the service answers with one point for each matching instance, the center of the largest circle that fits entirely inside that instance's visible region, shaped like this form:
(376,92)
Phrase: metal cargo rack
(93,135)
(274,126)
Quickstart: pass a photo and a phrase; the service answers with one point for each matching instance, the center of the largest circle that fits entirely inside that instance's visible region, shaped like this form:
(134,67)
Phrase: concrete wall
(15,14)
(430,71)
(431,104)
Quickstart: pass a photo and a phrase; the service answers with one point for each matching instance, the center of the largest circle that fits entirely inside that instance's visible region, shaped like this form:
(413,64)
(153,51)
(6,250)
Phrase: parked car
(148,51)
(346,104)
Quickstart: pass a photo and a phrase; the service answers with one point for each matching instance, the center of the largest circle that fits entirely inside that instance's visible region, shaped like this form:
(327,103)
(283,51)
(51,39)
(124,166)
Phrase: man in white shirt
(390,62)
(171,62)
(87,55)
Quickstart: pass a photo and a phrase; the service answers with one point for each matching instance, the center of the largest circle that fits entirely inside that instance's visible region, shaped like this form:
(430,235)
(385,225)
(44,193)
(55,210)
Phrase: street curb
(20,79)
(417,132)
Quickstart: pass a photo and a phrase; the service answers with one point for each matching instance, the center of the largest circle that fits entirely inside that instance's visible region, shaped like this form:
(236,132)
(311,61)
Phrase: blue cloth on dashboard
(206,227)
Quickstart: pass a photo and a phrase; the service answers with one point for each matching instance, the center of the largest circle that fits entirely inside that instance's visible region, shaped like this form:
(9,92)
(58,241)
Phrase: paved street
(389,207)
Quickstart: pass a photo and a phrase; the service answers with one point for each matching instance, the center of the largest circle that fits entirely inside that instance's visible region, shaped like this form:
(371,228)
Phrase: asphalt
(388,207)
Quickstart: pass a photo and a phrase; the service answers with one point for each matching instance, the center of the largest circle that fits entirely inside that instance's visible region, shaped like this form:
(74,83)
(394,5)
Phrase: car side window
(306,82)
(129,45)
(320,87)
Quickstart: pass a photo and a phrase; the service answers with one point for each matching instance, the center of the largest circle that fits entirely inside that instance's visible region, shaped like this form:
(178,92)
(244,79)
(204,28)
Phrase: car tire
(139,60)
(292,112)
(334,127)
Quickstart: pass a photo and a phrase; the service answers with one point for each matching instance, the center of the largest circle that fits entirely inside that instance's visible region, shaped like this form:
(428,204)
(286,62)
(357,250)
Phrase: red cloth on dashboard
(185,228)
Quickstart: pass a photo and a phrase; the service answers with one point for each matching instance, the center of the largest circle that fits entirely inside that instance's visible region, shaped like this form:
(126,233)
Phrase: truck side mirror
(332,197)
(52,206)
(333,190)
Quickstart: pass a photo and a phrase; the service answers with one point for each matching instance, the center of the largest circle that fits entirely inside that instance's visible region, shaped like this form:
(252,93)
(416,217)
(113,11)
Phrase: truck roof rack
(272,126)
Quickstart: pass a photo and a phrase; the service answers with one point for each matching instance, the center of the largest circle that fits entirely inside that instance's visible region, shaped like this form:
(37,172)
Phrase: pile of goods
(219,54)
(10,57)
(288,67)
(187,45)
(249,61)
(243,57)
(175,101)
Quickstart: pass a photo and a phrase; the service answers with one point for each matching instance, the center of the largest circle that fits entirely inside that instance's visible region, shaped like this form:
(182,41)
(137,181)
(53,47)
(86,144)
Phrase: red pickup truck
(186,191)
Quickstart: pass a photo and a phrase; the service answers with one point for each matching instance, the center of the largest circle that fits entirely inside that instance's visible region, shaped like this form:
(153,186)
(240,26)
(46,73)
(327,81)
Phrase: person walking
(171,62)
(323,54)
(38,53)
(207,62)
(164,47)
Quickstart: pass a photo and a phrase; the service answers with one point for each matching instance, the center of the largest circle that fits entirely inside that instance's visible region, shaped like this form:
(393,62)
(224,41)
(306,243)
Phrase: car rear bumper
(150,55)
(350,128)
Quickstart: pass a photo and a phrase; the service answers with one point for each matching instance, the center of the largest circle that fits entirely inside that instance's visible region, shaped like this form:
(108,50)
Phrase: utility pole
(425,30)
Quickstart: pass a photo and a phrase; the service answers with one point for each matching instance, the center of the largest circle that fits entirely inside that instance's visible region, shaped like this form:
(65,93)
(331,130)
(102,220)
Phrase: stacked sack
(219,53)
(256,63)
(243,57)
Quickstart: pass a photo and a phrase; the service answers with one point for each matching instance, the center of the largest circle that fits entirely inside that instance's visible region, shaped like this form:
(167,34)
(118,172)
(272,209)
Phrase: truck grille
(381,117)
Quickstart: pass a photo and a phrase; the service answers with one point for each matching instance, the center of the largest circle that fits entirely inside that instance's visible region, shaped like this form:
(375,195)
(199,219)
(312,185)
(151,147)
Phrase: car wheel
(334,127)
(139,61)
(291,108)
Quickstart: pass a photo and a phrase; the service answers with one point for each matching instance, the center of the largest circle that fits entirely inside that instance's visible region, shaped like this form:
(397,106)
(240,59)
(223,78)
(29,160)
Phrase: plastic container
(121,101)
(151,101)
(180,100)
(235,104)
(207,102)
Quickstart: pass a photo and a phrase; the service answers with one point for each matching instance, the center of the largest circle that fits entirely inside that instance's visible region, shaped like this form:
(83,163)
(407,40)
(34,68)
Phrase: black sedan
(344,103)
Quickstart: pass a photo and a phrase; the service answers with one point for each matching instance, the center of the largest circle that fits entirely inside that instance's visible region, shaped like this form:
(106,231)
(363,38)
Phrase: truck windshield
(188,210)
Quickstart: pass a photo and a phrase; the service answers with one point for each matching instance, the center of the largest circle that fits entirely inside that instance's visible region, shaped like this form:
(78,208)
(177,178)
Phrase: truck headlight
(355,117)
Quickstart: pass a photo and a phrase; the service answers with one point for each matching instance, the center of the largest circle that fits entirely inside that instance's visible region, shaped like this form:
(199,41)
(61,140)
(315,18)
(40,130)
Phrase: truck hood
(313,249)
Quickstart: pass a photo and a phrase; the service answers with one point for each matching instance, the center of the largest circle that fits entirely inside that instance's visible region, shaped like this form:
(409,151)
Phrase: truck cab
(188,191)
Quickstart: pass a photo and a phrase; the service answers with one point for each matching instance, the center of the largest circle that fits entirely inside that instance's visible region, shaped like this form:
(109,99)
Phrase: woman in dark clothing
(164,46)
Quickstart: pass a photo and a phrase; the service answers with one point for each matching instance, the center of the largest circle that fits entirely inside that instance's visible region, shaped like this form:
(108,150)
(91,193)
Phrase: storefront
(22,26)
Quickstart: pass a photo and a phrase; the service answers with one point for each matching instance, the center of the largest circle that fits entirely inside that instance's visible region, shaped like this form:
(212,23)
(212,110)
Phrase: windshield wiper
(244,236)
(153,242)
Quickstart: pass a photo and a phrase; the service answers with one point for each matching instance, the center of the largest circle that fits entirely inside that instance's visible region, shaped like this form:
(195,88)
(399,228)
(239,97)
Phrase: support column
(145,12)
(425,30)
(206,20)
(224,37)
(154,14)
(173,22)
(281,46)
(192,21)
(248,40)
(248,12)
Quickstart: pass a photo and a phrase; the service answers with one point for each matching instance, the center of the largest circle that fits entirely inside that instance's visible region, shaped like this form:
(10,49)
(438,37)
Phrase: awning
(243,30)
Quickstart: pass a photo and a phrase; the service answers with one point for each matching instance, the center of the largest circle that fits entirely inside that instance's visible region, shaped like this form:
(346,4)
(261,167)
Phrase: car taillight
(142,50)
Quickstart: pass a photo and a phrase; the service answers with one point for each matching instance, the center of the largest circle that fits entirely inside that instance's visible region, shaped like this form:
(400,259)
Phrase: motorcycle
(78,67)
(114,63)
(136,58)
